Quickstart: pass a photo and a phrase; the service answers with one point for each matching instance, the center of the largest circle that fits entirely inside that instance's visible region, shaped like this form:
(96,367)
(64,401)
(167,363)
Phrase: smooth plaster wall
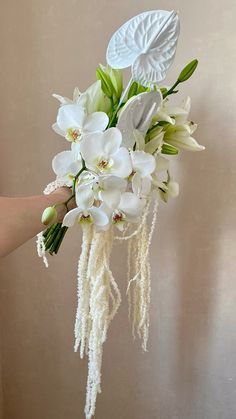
(190,370)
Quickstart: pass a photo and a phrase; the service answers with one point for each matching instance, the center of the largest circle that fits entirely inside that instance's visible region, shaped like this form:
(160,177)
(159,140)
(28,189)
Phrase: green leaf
(133,90)
(187,72)
(169,149)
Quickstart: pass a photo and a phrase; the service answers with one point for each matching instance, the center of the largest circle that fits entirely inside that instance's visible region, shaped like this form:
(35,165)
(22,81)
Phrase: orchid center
(73,134)
(104,164)
(85,218)
(118,217)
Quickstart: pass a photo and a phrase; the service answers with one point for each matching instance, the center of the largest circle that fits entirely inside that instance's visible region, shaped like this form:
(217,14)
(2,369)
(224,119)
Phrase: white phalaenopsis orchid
(73,122)
(86,212)
(137,115)
(127,210)
(103,154)
(67,164)
(104,188)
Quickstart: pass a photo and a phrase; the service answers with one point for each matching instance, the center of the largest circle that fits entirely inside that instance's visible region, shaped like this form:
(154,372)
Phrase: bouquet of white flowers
(117,170)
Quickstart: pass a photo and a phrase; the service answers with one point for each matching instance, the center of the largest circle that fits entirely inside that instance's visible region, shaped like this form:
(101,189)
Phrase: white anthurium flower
(103,153)
(66,165)
(180,137)
(129,209)
(137,114)
(73,122)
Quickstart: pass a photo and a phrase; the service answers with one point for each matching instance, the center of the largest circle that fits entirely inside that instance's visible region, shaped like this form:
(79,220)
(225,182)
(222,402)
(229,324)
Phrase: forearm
(20,218)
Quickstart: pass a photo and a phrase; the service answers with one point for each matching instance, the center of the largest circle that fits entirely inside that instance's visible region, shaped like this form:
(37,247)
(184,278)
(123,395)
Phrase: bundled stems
(53,237)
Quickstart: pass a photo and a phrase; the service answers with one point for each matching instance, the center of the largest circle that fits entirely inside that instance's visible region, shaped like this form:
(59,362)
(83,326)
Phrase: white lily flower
(129,209)
(162,165)
(93,99)
(73,122)
(137,114)
(67,164)
(171,190)
(65,100)
(103,155)
(180,137)
(173,114)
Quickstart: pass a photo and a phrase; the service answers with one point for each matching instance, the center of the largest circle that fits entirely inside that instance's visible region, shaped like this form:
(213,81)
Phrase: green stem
(63,232)
(77,175)
(171,90)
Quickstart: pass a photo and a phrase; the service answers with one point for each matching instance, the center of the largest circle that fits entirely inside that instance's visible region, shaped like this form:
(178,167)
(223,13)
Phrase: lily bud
(188,71)
(106,84)
(49,215)
(117,80)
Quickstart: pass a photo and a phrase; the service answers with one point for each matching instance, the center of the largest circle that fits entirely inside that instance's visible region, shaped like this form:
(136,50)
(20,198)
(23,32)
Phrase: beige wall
(190,371)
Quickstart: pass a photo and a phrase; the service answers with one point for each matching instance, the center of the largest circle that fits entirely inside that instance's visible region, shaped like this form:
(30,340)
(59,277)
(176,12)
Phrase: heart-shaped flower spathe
(137,114)
(147,42)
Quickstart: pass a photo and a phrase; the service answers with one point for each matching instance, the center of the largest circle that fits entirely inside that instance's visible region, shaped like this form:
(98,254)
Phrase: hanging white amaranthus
(117,172)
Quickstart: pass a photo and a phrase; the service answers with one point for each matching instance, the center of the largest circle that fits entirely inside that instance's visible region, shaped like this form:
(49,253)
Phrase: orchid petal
(70,116)
(92,147)
(122,163)
(70,217)
(96,121)
(131,205)
(58,130)
(110,197)
(65,163)
(99,217)
(143,163)
(84,196)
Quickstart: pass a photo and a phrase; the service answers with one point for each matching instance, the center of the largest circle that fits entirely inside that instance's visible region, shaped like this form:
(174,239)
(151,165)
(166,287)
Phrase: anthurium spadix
(147,43)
